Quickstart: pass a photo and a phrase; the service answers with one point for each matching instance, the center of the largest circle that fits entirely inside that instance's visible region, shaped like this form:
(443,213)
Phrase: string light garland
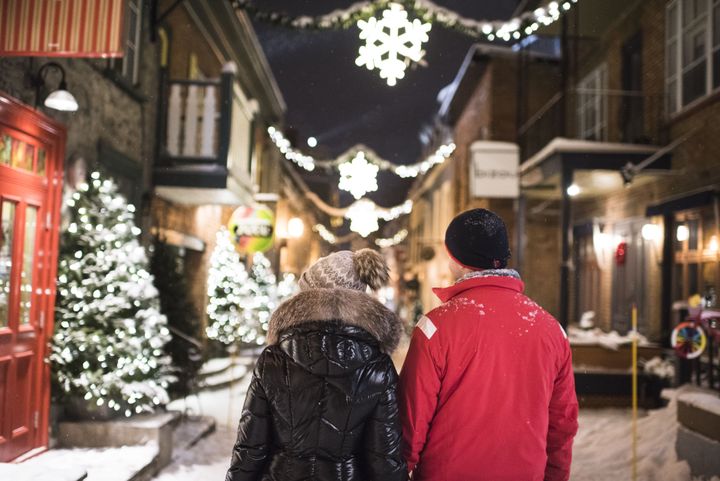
(392,42)
(425,10)
(400,236)
(309,163)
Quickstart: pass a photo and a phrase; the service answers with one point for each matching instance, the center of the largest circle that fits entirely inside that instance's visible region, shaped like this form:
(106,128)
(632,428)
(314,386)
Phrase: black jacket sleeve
(252,448)
(383,435)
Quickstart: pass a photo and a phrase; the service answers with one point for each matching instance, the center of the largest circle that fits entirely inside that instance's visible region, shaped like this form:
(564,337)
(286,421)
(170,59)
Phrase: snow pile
(602,448)
(207,460)
(662,368)
(598,337)
(707,401)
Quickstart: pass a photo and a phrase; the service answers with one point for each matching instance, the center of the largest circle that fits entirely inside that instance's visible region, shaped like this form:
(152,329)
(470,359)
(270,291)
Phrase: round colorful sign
(688,339)
(251,229)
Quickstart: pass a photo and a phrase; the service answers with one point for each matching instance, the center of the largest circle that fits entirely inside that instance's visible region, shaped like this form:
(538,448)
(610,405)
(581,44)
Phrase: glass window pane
(716,25)
(678,293)
(693,228)
(7,215)
(693,83)
(672,21)
(672,59)
(41,160)
(22,155)
(672,96)
(693,46)
(26,277)
(716,68)
(693,287)
(5,149)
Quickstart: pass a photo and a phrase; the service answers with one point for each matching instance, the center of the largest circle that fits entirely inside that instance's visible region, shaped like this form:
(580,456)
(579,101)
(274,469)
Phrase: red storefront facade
(31,175)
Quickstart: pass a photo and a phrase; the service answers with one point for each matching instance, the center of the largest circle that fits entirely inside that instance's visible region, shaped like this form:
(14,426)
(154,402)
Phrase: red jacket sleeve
(418,392)
(563,421)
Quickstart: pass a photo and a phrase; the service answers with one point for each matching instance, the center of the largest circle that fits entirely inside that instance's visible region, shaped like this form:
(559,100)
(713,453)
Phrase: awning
(684,202)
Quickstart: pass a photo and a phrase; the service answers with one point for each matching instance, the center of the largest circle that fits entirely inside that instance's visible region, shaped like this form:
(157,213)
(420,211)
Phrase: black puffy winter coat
(322,405)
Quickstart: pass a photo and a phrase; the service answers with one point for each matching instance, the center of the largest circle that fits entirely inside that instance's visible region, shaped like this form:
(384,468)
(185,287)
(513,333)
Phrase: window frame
(674,81)
(596,97)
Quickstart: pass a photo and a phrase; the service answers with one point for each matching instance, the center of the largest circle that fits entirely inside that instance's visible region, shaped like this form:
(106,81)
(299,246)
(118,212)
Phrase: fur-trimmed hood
(347,306)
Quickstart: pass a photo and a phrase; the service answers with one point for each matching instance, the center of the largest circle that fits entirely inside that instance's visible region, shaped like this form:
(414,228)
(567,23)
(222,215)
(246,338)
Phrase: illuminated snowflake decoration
(358,176)
(391,43)
(363,217)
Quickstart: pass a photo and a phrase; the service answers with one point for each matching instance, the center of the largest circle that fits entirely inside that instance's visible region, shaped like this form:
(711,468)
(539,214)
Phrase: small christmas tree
(228,291)
(240,305)
(183,321)
(107,351)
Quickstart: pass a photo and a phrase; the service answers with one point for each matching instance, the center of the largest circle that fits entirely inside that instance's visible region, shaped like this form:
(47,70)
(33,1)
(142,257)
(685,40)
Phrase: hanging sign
(494,170)
(252,229)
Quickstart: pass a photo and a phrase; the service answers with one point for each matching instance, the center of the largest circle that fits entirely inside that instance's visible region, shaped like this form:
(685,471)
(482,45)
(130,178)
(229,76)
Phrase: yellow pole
(232,376)
(634,392)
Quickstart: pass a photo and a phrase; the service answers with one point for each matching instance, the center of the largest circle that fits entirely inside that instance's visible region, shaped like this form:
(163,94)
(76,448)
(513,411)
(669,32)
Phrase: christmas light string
(309,163)
(425,10)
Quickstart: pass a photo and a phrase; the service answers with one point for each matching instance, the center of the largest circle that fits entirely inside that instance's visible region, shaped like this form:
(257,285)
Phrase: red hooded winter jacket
(487,389)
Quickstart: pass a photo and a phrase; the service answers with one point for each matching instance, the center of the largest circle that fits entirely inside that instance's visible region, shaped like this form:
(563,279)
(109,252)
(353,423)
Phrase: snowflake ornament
(391,43)
(358,176)
(363,217)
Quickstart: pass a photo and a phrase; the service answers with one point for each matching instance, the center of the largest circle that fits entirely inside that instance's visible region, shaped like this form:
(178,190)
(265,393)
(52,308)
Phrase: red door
(31,153)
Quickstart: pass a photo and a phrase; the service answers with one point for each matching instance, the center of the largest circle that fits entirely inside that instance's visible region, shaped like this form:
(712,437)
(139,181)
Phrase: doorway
(31,153)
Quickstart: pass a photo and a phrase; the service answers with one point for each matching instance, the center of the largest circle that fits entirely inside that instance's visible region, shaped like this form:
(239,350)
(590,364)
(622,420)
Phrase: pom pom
(371,268)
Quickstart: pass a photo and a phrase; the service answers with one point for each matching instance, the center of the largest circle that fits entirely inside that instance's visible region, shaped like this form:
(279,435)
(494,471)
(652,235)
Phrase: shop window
(7,228)
(697,260)
(692,47)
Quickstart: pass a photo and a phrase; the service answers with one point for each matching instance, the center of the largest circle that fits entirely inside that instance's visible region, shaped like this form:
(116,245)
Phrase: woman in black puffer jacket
(321,405)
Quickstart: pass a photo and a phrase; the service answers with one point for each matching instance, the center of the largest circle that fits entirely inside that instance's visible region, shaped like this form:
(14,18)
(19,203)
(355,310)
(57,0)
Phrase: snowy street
(601,451)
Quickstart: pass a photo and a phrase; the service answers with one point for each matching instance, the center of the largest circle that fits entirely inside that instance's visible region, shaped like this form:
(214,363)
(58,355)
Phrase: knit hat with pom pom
(347,270)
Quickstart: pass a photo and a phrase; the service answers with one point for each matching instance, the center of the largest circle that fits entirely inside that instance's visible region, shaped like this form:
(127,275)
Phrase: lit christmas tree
(227,291)
(240,305)
(109,332)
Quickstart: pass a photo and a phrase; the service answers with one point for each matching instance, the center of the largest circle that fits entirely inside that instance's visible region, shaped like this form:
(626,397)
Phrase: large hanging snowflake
(358,176)
(391,43)
(363,217)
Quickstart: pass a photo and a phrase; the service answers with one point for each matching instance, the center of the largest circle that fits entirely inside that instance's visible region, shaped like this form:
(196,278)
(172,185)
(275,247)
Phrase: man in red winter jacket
(487,389)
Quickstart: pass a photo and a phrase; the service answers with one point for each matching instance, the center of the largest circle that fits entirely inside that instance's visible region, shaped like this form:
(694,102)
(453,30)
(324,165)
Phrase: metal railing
(595,114)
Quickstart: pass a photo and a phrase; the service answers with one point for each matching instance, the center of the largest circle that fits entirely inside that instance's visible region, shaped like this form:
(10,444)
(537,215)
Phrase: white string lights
(391,42)
(400,236)
(308,163)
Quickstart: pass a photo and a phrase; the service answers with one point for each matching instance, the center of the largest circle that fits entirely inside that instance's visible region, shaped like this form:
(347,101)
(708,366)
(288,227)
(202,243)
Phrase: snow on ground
(102,464)
(602,448)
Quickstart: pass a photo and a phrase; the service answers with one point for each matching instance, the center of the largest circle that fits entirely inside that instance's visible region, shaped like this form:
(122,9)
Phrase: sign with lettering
(494,170)
(252,229)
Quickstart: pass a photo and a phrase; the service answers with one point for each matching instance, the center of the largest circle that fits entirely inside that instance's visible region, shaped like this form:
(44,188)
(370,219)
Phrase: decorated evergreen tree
(183,321)
(240,305)
(228,292)
(107,352)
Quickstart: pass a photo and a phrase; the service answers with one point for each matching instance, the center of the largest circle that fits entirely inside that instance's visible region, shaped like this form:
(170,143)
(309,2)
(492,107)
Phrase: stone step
(190,430)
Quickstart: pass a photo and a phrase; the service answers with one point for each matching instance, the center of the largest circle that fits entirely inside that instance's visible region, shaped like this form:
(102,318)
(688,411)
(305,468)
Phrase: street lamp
(59,99)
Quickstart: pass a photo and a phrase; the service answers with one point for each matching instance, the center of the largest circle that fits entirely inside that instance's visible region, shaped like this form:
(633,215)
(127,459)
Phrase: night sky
(340,104)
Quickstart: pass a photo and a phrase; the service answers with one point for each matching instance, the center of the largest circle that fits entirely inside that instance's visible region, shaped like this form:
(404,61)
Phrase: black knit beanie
(478,239)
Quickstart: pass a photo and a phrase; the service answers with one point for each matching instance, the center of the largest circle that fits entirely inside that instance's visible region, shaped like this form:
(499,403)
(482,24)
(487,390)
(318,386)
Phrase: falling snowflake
(358,176)
(391,43)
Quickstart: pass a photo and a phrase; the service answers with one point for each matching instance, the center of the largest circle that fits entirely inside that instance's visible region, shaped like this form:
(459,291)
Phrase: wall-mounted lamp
(59,99)
(295,228)
(682,233)
(651,232)
(573,190)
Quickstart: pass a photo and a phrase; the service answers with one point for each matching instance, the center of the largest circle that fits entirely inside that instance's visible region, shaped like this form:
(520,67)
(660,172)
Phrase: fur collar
(348,306)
